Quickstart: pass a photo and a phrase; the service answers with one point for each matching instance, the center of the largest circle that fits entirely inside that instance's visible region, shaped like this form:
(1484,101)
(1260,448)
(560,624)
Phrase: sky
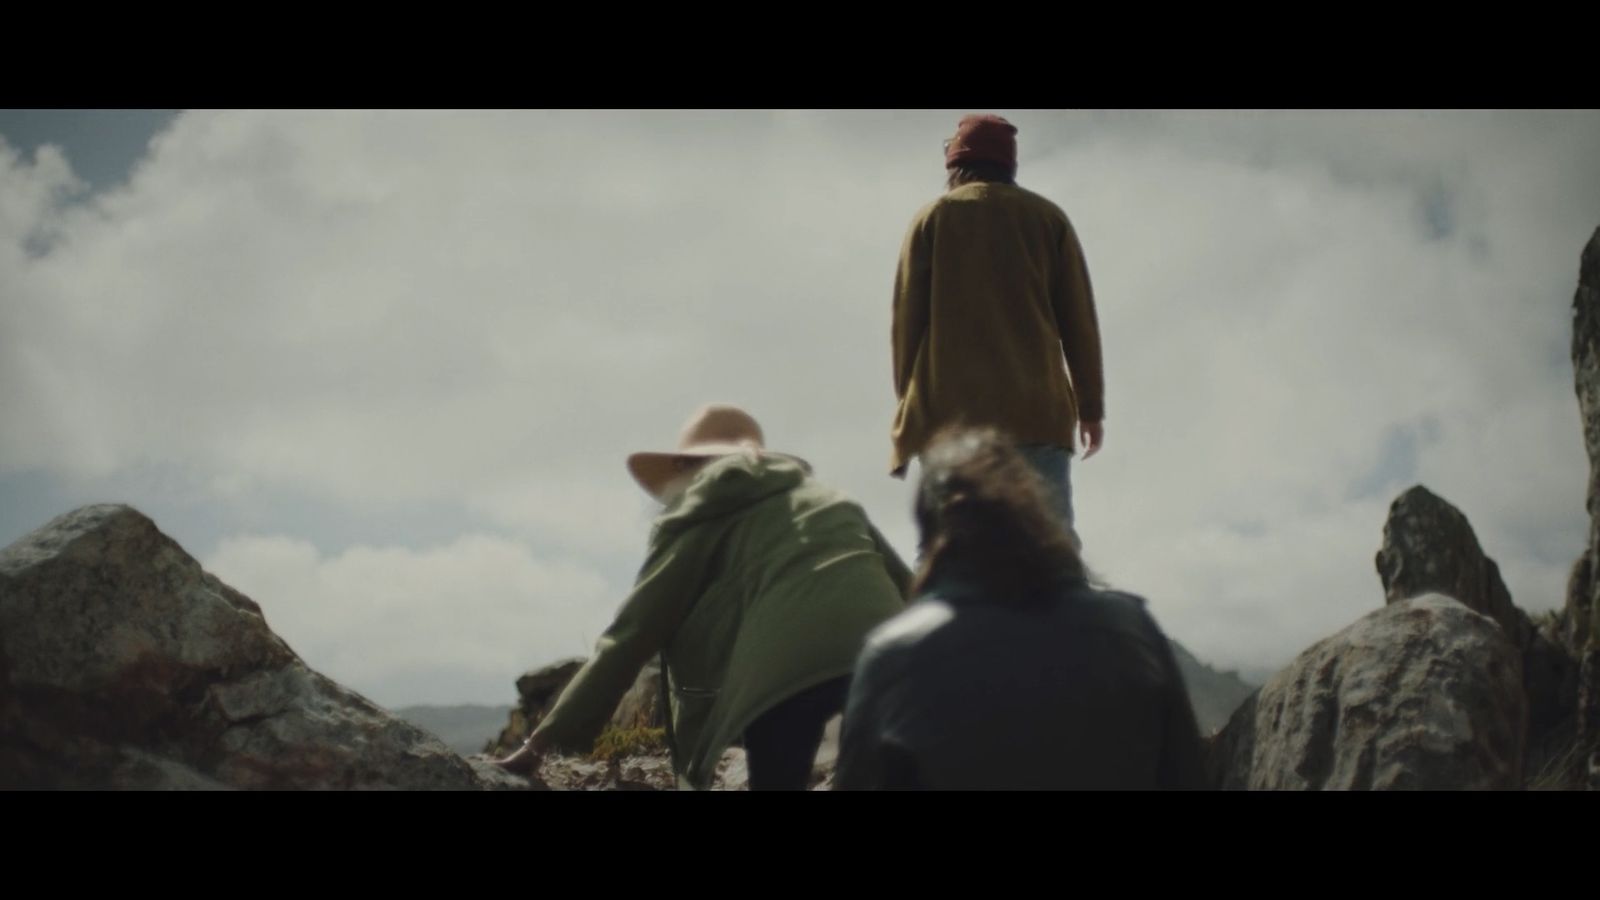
(379,370)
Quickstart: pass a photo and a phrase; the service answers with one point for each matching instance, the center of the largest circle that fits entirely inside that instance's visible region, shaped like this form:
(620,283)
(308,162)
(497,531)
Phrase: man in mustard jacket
(992,310)
(759,588)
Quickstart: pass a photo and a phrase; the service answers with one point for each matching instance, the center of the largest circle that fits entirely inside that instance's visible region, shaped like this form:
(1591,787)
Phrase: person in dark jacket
(1010,671)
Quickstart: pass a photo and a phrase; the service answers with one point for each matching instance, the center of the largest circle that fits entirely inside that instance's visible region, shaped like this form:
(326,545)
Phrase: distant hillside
(1257,675)
(466,728)
(1214,694)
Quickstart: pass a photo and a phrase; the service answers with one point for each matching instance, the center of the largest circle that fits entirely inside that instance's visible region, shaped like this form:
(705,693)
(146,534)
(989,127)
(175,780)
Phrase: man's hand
(523,762)
(1093,435)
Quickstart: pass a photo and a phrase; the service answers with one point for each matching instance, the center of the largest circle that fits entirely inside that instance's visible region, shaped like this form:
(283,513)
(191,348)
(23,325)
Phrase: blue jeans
(1054,465)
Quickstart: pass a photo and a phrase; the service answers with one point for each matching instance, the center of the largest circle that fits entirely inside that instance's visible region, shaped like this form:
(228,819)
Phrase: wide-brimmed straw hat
(715,430)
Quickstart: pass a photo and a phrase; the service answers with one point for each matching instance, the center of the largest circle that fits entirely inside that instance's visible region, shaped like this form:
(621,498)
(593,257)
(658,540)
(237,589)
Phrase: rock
(1428,545)
(493,778)
(1550,680)
(641,706)
(1574,620)
(1230,751)
(1424,694)
(733,771)
(652,773)
(1583,596)
(123,664)
(641,772)
(538,690)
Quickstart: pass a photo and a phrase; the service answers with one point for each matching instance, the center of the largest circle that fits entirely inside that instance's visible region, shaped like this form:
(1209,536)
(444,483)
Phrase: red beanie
(989,139)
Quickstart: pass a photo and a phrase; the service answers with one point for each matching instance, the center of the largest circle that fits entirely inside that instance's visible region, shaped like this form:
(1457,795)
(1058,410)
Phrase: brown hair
(984,517)
(970,172)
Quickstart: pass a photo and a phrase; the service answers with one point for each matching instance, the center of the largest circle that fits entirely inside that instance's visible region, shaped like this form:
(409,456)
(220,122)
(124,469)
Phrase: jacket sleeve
(913,286)
(1080,329)
(668,584)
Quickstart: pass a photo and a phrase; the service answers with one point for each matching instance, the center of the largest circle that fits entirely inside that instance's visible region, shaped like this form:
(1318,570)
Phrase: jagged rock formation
(1583,595)
(1429,546)
(123,664)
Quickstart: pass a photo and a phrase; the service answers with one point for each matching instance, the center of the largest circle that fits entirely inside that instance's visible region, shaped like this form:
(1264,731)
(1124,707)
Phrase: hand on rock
(524,762)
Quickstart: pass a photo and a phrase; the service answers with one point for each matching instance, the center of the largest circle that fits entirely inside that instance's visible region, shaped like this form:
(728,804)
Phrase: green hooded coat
(760,582)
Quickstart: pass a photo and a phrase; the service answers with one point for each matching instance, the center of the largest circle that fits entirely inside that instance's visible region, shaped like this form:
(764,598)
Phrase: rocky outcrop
(538,690)
(123,664)
(1429,546)
(637,772)
(1583,595)
(641,706)
(1422,694)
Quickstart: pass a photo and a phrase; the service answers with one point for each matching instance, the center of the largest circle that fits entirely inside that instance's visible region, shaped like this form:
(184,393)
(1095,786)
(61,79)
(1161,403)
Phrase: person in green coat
(758,589)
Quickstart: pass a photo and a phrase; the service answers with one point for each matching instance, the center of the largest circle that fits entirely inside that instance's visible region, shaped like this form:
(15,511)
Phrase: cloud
(450,623)
(487,311)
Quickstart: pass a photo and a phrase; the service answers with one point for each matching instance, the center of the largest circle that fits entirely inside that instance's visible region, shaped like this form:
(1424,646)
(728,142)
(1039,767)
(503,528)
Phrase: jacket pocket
(693,692)
(691,710)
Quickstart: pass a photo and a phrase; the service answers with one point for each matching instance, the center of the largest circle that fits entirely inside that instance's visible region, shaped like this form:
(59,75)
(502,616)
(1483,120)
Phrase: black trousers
(781,746)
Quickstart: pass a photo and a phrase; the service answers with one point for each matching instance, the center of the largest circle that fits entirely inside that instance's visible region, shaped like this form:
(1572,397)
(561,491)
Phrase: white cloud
(451,623)
(491,309)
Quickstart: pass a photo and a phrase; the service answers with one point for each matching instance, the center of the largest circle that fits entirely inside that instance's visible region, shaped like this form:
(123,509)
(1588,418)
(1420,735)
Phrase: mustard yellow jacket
(992,309)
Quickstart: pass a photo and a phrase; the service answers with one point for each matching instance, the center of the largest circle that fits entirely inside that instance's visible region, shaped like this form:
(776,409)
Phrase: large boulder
(1424,694)
(123,664)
